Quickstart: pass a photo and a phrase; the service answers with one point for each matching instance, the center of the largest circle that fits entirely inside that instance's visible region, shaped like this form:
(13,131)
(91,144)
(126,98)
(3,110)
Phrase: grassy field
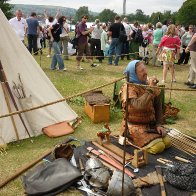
(73,82)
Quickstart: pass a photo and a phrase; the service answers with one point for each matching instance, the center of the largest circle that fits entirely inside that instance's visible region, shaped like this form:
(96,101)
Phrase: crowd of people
(167,44)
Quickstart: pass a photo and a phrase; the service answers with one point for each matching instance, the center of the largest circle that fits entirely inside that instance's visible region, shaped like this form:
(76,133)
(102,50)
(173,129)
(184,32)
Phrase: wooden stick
(118,158)
(29,165)
(4,79)
(159,173)
(9,109)
(184,135)
(184,140)
(181,145)
(111,161)
(181,149)
(24,168)
(128,142)
(182,159)
(60,100)
(104,163)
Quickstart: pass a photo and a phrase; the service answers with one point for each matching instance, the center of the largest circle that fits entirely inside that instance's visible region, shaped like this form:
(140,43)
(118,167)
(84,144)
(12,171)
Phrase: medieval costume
(144,113)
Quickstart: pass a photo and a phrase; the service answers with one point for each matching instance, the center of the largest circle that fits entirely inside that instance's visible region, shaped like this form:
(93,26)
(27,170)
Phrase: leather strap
(111,161)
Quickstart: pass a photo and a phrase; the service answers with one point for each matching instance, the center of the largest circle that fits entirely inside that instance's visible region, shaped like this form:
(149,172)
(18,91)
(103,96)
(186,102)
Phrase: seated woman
(144,110)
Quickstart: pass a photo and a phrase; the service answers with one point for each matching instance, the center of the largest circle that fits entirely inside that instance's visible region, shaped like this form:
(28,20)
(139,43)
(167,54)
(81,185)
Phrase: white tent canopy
(39,90)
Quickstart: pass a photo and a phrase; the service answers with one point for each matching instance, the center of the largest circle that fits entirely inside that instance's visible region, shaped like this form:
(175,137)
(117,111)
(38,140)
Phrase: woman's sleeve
(178,43)
(162,42)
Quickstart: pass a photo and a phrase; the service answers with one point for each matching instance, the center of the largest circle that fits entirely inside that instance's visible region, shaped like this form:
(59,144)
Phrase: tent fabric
(39,90)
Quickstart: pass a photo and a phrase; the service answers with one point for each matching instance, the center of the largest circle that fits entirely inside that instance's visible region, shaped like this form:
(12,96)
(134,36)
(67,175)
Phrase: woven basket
(170,111)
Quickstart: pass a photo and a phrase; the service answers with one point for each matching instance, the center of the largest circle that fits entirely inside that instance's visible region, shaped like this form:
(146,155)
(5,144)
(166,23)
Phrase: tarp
(39,90)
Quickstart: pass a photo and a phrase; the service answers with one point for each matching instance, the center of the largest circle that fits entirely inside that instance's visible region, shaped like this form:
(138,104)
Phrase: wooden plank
(117,151)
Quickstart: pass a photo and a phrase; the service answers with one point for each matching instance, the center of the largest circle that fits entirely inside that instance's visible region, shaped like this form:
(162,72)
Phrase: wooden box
(98,113)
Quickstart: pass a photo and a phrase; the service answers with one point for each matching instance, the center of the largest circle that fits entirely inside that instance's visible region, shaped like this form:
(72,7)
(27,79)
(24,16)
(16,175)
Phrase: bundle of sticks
(183,142)
(19,89)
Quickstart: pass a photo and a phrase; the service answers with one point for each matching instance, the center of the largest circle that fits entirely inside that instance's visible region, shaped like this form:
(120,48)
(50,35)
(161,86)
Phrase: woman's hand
(187,49)
(161,131)
(152,81)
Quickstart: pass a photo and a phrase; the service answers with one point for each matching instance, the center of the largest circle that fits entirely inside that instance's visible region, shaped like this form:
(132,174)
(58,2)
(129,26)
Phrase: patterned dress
(169,46)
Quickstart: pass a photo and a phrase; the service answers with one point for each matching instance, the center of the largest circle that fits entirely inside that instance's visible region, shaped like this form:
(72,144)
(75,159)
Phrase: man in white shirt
(125,48)
(19,25)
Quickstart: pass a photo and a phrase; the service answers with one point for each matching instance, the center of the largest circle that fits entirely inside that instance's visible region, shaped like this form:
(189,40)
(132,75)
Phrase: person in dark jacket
(54,32)
(116,44)
(33,32)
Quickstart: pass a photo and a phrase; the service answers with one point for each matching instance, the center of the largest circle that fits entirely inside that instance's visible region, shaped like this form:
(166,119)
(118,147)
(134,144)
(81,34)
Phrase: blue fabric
(57,57)
(130,69)
(115,47)
(32,26)
(32,43)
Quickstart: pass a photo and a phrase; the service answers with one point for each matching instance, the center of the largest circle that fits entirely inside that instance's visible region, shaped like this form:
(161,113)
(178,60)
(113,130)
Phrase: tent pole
(31,164)
(9,109)
(126,129)
(23,169)
(4,79)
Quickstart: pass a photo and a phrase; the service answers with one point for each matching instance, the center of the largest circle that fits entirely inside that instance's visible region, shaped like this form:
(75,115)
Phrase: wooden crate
(98,113)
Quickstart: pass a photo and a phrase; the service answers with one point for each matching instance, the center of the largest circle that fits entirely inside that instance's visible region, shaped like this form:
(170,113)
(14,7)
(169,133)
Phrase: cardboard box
(98,113)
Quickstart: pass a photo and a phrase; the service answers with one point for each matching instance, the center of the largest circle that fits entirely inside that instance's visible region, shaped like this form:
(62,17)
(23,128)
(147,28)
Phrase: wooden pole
(24,168)
(9,109)
(126,130)
(160,177)
(4,79)
(29,165)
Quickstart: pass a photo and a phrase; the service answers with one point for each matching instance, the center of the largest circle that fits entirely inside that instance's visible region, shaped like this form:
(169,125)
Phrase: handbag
(74,42)
(48,179)
(122,35)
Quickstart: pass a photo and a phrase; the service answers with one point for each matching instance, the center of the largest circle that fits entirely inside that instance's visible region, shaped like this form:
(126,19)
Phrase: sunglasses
(86,18)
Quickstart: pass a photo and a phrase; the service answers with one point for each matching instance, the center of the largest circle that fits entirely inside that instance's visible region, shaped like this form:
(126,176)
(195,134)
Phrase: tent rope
(79,94)
(60,100)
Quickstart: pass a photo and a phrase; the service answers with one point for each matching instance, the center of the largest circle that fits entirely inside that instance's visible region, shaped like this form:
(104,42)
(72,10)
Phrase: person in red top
(169,51)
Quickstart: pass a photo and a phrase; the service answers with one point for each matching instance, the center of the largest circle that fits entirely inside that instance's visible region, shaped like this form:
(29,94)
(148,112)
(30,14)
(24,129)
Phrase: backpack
(138,36)
(122,35)
(144,43)
(57,32)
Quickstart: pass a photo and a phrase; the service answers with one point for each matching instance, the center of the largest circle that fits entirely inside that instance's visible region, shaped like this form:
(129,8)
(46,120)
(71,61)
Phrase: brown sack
(58,129)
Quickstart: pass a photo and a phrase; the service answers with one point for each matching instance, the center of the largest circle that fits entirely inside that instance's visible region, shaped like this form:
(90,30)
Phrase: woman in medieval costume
(144,110)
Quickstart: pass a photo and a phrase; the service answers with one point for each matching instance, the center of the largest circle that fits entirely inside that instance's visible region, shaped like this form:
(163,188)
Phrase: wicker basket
(170,111)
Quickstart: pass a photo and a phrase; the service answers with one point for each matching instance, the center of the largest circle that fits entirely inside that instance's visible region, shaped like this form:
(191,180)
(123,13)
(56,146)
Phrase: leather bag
(51,178)
(122,35)
(74,42)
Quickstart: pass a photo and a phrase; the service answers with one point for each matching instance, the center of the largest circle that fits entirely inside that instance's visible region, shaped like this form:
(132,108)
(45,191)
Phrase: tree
(6,8)
(155,17)
(80,12)
(107,15)
(141,17)
(187,14)
(131,18)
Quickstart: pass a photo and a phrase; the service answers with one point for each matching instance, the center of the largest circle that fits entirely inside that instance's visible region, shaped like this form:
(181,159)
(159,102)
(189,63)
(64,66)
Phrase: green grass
(73,82)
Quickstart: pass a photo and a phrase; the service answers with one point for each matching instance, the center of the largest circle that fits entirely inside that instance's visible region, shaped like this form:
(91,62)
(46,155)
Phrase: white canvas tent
(39,90)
